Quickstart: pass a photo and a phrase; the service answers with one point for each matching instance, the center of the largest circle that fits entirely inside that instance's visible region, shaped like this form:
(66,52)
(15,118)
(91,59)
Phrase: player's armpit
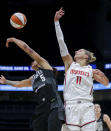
(67,61)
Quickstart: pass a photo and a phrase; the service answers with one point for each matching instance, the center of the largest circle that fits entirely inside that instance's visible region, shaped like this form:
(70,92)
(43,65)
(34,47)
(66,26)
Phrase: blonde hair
(91,57)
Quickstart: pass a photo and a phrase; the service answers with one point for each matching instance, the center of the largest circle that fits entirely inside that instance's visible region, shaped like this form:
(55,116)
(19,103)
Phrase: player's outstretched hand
(58,14)
(2,80)
(12,39)
(98,72)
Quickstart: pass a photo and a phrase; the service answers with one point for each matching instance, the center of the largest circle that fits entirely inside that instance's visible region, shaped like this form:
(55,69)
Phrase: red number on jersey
(78,80)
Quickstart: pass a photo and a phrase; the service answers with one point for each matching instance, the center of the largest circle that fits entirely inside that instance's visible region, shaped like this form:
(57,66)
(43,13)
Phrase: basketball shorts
(80,115)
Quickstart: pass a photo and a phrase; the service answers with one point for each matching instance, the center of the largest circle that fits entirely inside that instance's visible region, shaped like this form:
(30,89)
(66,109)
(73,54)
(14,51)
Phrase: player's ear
(86,56)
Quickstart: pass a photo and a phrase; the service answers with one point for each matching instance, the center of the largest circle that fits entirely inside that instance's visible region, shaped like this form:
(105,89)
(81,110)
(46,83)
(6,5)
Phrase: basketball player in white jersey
(78,84)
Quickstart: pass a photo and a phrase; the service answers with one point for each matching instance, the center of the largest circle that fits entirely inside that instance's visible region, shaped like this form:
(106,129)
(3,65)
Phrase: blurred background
(86,24)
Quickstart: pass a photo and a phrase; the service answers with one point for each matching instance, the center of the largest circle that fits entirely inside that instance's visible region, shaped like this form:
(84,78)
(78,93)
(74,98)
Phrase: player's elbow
(60,40)
(18,85)
(106,82)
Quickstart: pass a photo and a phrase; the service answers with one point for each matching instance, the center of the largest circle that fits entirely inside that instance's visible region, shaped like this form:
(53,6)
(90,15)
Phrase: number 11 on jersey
(78,80)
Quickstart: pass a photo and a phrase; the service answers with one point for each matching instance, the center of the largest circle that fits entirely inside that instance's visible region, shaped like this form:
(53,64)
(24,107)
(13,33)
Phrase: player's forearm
(101,78)
(58,31)
(27,49)
(105,80)
(60,38)
(109,124)
(12,83)
(23,46)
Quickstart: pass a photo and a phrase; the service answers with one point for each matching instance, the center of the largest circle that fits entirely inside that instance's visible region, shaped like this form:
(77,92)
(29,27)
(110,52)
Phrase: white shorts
(80,115)
(88,127)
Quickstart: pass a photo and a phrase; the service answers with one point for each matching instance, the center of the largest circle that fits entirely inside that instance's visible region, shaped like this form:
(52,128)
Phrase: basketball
(18,20)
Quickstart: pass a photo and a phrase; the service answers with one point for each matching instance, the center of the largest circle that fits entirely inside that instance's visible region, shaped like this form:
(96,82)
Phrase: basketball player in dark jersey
(49,112)
(103,120)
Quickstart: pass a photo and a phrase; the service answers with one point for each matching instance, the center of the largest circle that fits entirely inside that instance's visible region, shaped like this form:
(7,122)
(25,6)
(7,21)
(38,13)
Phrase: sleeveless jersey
(44,85)
(78,83)
(101,125)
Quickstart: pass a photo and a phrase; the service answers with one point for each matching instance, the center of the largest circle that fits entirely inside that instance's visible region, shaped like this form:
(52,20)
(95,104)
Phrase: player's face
(35,65)
(80,54)
(97,108)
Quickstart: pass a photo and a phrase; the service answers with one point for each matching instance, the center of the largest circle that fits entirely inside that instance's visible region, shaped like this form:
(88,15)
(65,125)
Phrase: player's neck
(98,115)
(82,62)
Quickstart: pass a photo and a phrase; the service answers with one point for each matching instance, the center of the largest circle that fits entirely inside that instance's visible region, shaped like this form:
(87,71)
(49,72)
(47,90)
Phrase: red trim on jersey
(80,125)
(73,125)
(91,91)
(88,123)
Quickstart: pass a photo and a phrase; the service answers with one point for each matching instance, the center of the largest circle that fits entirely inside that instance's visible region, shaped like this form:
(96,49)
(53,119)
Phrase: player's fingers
(61,9)
(99,71)
(7,44)
(61,13)
(96,71)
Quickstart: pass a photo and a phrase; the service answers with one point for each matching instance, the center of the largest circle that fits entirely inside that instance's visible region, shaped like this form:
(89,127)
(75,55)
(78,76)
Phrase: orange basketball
(18,20)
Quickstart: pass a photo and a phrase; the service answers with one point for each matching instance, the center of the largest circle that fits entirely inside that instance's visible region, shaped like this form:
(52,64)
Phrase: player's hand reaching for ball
(12,39)
(98,72)
(2,80)
(58,14)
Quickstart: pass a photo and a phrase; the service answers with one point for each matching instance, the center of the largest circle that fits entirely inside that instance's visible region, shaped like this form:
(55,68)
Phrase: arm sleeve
(60,38)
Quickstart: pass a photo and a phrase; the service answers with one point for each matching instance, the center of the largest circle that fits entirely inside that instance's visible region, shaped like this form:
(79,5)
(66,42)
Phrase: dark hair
(55,72)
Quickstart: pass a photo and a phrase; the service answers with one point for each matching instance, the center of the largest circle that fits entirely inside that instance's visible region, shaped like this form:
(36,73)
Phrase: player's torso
(44,85)
(42,78)
(78,82)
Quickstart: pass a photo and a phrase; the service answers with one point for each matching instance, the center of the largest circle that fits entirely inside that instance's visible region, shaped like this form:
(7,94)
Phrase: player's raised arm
(99,76)
(66,57)
(34,55)
(19,84)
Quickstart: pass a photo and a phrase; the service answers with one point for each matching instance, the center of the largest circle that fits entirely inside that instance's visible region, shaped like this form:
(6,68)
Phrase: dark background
(86,24)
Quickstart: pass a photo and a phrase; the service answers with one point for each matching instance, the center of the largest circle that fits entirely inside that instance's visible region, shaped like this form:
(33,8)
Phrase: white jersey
(78,83)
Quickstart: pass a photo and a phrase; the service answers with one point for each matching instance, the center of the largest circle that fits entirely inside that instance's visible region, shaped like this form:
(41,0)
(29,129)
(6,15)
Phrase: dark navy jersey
(101,125)
(42,78)
(44,85)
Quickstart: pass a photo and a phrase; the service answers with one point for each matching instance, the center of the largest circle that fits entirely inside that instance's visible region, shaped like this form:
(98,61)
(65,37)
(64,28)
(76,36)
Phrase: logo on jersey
(78,72)
(39,73)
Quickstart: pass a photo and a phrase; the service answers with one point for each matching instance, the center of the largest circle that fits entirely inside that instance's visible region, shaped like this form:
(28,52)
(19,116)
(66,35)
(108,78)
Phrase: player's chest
(77,71)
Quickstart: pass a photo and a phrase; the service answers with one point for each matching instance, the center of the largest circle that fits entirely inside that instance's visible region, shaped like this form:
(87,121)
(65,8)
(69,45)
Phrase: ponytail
(91,57)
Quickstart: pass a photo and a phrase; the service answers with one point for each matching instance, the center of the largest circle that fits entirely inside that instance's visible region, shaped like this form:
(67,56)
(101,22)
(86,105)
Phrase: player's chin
(34,68)
(75,57)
